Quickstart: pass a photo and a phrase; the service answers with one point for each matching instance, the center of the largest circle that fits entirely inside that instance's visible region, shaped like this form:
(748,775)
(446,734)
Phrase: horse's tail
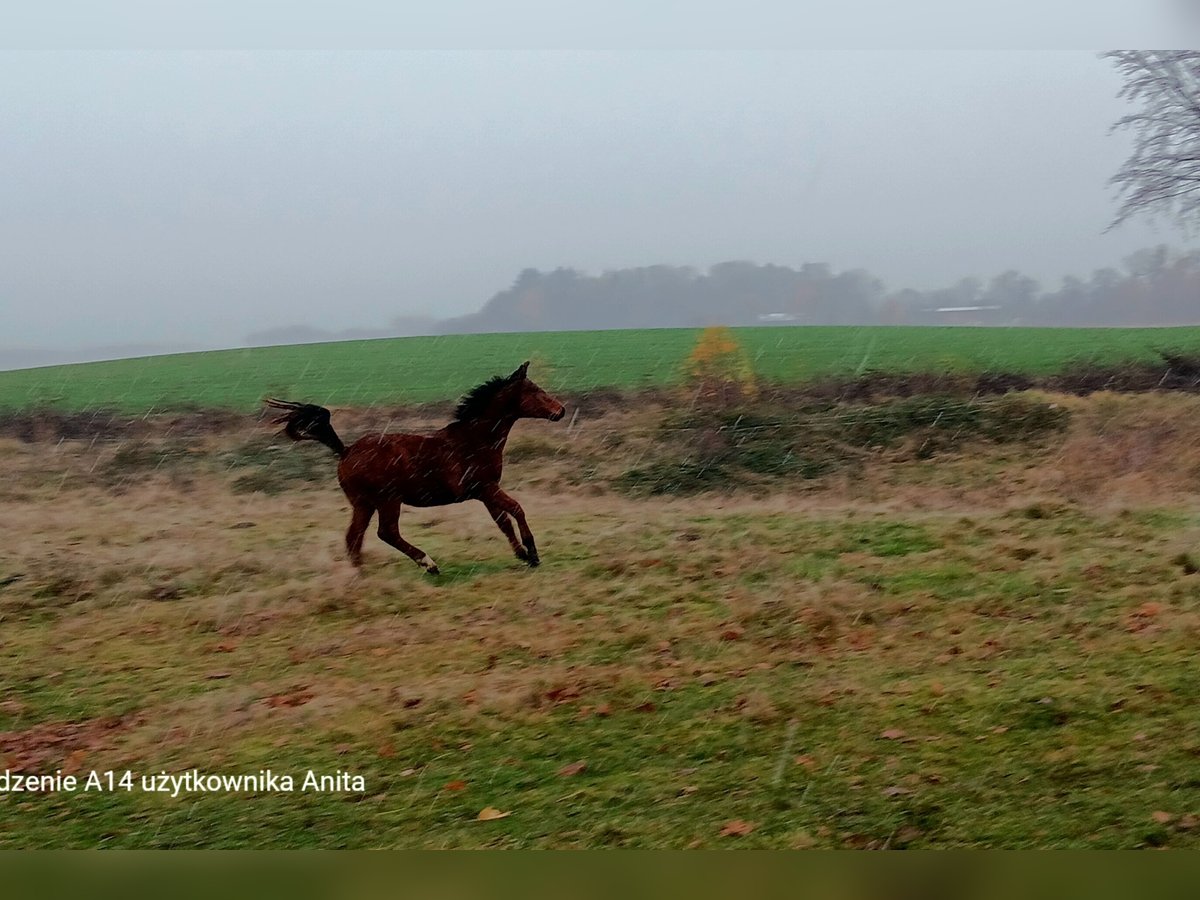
(307,422)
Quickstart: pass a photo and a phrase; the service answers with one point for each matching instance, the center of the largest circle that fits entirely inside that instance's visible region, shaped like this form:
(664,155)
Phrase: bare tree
(1162,175)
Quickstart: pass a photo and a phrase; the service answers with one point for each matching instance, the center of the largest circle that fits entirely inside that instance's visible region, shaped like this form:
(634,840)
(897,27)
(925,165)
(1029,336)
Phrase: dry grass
(1019,619)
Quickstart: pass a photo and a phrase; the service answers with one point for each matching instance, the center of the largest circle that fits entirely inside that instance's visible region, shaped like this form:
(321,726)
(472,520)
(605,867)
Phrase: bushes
(713,449)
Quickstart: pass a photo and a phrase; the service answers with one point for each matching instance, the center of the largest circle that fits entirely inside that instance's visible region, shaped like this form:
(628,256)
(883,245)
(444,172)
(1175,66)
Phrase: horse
(463,461)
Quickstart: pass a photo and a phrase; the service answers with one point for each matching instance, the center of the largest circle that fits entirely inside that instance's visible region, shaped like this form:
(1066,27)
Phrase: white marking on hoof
(426,562)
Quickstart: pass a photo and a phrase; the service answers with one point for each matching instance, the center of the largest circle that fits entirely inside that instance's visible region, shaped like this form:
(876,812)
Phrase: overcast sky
(194,197)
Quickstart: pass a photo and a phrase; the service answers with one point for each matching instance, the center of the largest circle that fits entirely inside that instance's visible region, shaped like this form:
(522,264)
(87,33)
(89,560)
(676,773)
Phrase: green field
(405,370)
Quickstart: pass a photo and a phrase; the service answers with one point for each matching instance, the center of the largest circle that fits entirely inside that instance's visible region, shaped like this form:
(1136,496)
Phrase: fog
(167,199)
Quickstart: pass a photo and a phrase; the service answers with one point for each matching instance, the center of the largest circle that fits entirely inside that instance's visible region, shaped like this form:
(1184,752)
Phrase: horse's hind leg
(359,521)
(389,532)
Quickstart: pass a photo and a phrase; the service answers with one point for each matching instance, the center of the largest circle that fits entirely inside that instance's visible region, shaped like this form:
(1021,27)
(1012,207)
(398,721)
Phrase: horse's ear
(522,372)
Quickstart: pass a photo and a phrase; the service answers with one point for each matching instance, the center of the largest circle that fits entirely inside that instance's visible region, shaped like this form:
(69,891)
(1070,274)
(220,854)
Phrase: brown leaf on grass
(893,734)
(388,750)
(12,707)
(896,791)
(226,646)
(74,762)
(488,813)
(573,769)
(1162,818)
(737,828)
(1141,618)
(807,761)
(646,707)
(604,709)
(456,785)
(732,633)
(290,699)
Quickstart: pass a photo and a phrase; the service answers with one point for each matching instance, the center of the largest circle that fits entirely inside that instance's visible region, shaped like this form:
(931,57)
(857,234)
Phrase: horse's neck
(491,433)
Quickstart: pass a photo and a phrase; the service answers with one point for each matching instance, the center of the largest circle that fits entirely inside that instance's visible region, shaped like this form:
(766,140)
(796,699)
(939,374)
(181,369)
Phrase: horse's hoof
(533,562)
(433,570)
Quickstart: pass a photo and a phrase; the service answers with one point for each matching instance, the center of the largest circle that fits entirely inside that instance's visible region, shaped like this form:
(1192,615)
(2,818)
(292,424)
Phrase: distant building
(964,315)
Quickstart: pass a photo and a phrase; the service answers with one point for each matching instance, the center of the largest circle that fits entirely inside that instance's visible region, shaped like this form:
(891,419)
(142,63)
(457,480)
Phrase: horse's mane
(476,401)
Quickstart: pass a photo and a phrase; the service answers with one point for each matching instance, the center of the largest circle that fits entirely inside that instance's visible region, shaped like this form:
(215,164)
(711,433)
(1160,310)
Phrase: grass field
(406,370)
(993,646)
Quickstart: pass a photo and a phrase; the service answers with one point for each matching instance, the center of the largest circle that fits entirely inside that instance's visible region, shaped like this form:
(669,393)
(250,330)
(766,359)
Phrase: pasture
(980,641)
(418,370)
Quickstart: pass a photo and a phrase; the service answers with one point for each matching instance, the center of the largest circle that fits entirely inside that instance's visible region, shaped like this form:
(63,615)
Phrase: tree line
(1157,286)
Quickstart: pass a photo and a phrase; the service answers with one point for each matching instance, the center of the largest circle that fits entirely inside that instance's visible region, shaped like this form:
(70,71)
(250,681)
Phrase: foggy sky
(194,197)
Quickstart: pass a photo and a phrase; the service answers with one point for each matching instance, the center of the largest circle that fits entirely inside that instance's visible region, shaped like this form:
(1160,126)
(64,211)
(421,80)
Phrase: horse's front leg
(499,504)
(504,523)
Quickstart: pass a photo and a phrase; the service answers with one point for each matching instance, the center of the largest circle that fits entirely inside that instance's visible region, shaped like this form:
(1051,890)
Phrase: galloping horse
(463,461)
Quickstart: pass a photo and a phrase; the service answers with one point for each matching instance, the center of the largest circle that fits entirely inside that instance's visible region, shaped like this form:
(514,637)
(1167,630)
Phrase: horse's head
(529,400)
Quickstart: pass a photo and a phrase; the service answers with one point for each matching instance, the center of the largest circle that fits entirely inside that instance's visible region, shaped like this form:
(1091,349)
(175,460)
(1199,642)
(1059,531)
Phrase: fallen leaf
(388,750)
(226,646)
(737,828)
(456,785)
(488,813)
(604,709)
(807,761)
(1162,818)
(733,633)
(893,734)
(73,762)
(895,791)
(573,769)
(295,698)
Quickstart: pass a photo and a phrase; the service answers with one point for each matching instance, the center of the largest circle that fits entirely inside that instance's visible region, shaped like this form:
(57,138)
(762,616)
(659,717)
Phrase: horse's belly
(426,497)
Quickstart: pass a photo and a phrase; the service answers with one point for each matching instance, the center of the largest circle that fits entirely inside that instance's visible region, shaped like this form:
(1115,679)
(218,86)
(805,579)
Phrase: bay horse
(463,461)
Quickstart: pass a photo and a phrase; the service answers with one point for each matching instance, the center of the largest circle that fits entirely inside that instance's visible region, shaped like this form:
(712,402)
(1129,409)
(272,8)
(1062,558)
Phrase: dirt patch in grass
(61,745)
